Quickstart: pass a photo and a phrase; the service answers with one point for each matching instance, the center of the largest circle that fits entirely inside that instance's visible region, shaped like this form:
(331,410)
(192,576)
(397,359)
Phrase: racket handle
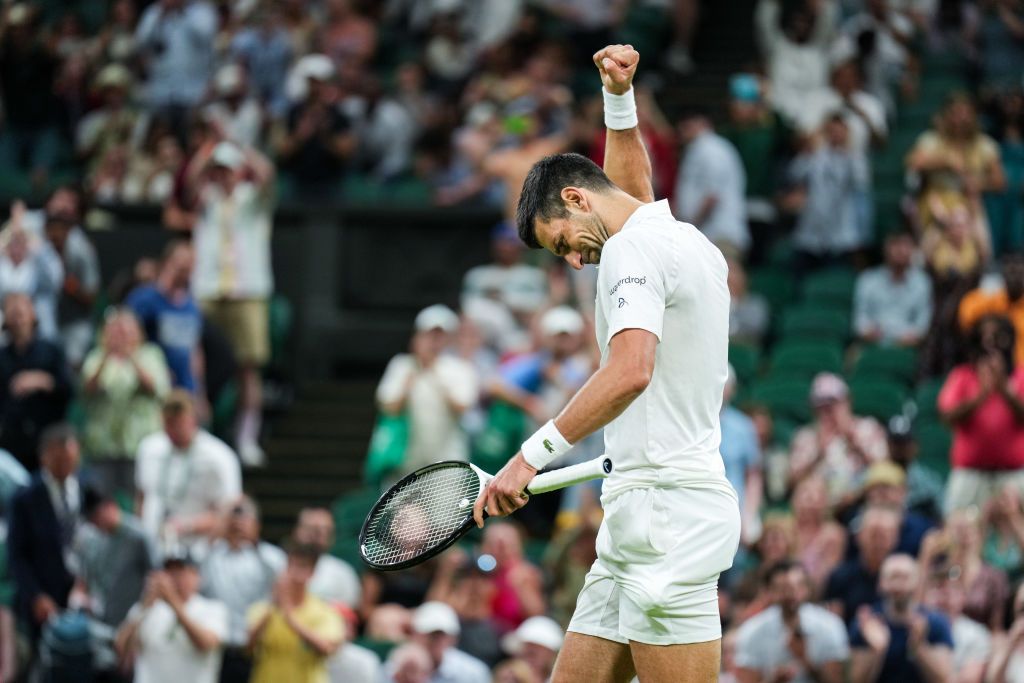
(598,468)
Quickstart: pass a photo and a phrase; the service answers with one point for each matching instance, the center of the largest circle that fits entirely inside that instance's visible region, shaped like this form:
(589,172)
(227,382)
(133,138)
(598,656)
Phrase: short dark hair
(55,434)
(541,196)
(302,551)
(781,567)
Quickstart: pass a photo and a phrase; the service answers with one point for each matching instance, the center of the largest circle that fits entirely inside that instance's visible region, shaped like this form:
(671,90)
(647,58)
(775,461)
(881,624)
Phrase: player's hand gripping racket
(432,508)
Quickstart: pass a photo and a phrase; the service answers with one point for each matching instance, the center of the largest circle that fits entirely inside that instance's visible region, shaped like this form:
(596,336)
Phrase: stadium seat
(281,318)
(832,287)
(774,284)
(816,322)
(926,398)
(879,399)
(350,509)
(744,360)
(890,363)
(785,397)
(806,358)
(934,441)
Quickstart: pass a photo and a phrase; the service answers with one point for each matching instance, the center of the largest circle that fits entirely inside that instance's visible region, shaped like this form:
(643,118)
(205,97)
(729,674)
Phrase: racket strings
(421,515)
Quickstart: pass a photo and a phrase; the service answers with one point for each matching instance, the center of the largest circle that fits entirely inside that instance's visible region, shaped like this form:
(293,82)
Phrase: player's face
(578,238)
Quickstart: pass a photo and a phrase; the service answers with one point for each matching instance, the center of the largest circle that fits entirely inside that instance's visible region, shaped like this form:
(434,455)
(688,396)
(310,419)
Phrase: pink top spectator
(990,439)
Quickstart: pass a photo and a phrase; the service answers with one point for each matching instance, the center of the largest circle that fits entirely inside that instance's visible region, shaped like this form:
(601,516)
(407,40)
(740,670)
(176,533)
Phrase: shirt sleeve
(835,645)
(939,631)
(216,620)
(461,381)
(256,613)
(392,384)
(954,391)
(631,286)
(747,651)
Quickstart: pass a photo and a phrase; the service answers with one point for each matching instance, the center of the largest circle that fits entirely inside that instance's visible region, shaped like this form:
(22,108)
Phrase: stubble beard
(592,238)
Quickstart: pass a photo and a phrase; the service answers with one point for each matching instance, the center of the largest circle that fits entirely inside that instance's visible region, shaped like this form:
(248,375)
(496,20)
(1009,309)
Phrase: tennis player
(672,521)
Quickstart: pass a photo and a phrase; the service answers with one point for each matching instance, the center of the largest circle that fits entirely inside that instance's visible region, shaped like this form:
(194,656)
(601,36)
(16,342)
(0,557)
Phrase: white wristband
(620,110)
(546,444)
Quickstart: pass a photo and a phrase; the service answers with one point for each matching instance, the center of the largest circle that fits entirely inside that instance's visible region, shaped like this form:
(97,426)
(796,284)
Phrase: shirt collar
(658,208)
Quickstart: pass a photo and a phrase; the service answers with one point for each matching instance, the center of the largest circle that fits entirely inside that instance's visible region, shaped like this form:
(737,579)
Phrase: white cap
(228,79)
(431,617)
(541,631)
(561,319)
(317,67)
(228,154)
(437,316)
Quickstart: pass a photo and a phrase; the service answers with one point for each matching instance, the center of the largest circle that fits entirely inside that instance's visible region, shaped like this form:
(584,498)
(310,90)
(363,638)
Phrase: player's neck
(615,208)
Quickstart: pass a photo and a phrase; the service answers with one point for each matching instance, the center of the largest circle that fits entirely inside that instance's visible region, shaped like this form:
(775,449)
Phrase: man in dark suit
(44,516)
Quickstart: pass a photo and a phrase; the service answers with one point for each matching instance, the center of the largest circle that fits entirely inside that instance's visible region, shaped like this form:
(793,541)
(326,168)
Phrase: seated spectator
(432,389)
(34,382)
(792,640)
(333,580)
(892,303)
(115,122)
(237,116)
(29,265)
(959,246)
(183,475)
(827,181)
(838,446)
(886,485)
(513,671)
(467,585)
(43,520)
(124,382)
(1007,662)
(174,634)
(240,570)
(854,583)
(983,400)
(409,663)
(972,642)
(741,454)
(1008,301)
(347,37)
(80,287)
(522,287)
(536,642)
(1004,538)
(776,544)
(749,313)
(519,593)
(567,561)
(264,47)
(352,662)
(820,540)
(294,634)
(899,640)
(711,184)
(924,486)
(170,316)
(435,628)
(958,547)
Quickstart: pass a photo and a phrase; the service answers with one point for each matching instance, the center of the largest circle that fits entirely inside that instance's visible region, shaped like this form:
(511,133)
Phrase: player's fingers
(478,509)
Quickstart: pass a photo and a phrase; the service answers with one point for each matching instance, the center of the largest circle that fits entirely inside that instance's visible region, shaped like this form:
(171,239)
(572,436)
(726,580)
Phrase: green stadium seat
(785,397)
(832,287)
(744,360)
(281,319)
(816,322)
(350,509)
(934,441)
(877,398)
(806,358)
(223,409)
(774,284)
(927,397)
(886,363)
(381,648)
(780,254)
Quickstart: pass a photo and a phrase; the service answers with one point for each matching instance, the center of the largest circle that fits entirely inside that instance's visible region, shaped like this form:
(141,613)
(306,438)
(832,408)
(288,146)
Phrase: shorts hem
(607,634)
(626,636)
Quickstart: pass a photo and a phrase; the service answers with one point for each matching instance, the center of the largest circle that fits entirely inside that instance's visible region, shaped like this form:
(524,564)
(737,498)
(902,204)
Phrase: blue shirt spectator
(892,303)
(741,454)
(176,37)
(265,49)
(854,583)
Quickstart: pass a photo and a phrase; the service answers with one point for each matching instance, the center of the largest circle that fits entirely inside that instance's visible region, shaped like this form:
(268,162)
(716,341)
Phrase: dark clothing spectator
(899,666)
(27,73)
(316,131)
(114,565)
(853,585)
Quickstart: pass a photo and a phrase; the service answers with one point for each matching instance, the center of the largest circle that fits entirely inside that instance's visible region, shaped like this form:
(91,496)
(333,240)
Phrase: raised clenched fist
(617,65)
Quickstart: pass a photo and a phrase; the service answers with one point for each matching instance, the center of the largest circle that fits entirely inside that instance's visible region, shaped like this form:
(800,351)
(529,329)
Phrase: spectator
(882,36)
(999,30)
(265,49)
(518,582)
(827,180)
(885,484)
(513,671)
(900,641)
(34,382)
(238,116)
(124,381)
(348,38)
(793,640)
(432,389)
(821,541)
(521,287)
(863,112)
(839,446)
(176,39)
(333,579)
(711,184)
(741,454)
(183,475)
(29,265)
(353,662)
(924,486)
(13,476)
(436,628)
(43,520)
(982,400)
(174,634)
(892,303)
(467,585)
(959,246)
(536,642)
(81,283)
(1007,663)
(295,634)
(386,132)
(1004,540)
(972,642)
(233,277)
(777,543)
(1008,301)
(409,663)
(749,313)
(115,122)
(170,316)
(854,583)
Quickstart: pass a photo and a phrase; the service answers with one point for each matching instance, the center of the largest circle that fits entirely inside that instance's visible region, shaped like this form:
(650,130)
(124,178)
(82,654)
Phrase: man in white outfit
(649,606)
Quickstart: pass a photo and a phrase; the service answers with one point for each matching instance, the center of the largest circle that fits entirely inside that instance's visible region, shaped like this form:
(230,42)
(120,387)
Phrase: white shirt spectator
(821,103)
(895,307)
(883,68)
(179,47)
(354,663)
(521,287)
(165,651)
(334,580)
(972,643)
(386,134)
(184,483)
(40,275)
(713,167)
(828,221)
(242,125)
(239,578)
(761,642)
(456,667)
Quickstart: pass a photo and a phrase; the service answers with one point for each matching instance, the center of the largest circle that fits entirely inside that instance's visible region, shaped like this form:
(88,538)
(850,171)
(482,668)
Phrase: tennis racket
(429,510)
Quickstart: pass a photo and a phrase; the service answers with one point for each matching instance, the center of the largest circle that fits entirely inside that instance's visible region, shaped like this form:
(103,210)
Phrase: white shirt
(666,277)
(166,655)
(972,642)
(179,483)
(242,125)
(521,287)
(712,167)
(353,663)
(821,103)
(334,580)
(240,578)
(762,641)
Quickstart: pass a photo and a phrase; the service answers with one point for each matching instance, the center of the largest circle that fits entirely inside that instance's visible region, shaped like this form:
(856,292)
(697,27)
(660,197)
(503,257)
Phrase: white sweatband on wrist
(620,110)
(546,444)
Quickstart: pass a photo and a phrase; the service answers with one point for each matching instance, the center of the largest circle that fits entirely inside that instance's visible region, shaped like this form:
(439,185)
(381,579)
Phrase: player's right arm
(626,162)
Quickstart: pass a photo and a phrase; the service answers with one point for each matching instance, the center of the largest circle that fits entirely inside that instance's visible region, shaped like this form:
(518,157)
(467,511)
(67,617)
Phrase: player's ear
(574,198)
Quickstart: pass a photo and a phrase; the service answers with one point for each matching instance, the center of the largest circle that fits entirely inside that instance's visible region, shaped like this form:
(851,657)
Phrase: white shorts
(659,554)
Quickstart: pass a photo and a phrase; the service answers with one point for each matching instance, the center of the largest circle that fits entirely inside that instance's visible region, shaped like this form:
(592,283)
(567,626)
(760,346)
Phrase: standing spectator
(333,579)
(176,39)
(827,181)
(892,303)
(749,313)
(983,400)
(900,641)
(793,640)
(536,642)
(35,384)
(174,634)
(999,32)
(170,316)
(854,583)
(839,446)
(741,454)
(295,634)
(29,265)
(80,286)
(972,642)
(233,279)
(124,382)
(864,113)
(521,287)
(889,34)
(432,389)
(233,111)
(240,570)
(435,627)
(960,244)
(265,49)
(711,184)
(183,474)
(1008,301)
(820,540)
(115,122)
(43,520)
